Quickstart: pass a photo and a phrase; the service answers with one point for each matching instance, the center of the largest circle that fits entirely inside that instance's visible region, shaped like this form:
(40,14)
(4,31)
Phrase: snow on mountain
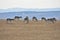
(24,9)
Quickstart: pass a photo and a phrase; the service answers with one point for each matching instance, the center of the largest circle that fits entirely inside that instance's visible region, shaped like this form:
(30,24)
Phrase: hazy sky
(29,4)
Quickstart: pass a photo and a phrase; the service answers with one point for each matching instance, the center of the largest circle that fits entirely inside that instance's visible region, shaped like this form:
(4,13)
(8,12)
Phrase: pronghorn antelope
(34,19)
(17,17)
(9,20)
(52,20)
(49,19)
(43,18)
(26,19)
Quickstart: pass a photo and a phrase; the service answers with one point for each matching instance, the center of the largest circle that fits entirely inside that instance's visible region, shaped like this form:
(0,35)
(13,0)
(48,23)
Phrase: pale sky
(4,4)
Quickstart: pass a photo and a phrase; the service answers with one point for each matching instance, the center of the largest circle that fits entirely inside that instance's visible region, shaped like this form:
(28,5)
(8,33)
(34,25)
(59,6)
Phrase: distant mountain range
(28,10)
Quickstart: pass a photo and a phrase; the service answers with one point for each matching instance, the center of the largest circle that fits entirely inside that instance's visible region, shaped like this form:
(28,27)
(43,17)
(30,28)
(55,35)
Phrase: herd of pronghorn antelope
(26,19)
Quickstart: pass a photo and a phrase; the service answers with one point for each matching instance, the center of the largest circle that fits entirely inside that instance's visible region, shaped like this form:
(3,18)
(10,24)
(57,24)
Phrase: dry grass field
(18,30)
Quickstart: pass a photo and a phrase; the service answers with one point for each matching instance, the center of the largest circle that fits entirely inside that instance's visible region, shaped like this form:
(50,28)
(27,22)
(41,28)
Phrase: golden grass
(40,30)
